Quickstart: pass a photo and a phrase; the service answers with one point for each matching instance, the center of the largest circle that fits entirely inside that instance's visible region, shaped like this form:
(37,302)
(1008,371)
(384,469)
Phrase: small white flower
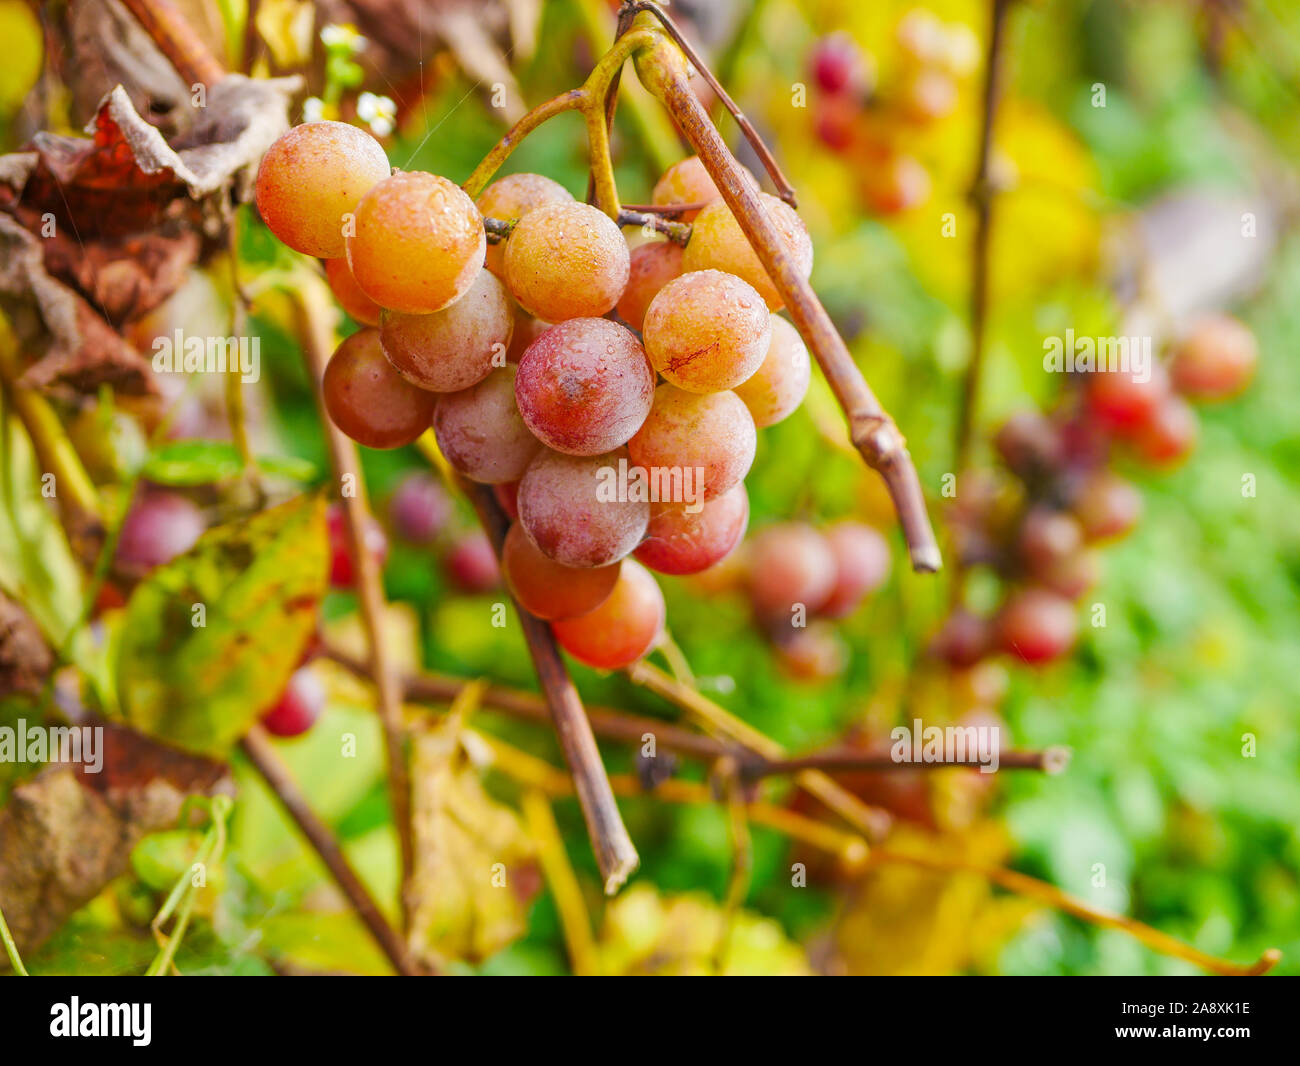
(313,108)
(380,112)
(336,35)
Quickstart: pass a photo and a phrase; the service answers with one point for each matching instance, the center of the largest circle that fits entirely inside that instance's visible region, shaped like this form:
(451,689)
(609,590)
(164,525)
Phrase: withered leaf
(474,867)
(67,832)
(97,232)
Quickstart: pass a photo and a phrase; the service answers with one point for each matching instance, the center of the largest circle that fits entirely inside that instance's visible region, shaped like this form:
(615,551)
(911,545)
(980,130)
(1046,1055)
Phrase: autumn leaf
(209,640)
(475,868)
(645,933)
(67,832)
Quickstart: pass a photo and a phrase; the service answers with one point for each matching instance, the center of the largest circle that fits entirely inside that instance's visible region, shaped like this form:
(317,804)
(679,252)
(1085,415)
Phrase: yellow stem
(563,883)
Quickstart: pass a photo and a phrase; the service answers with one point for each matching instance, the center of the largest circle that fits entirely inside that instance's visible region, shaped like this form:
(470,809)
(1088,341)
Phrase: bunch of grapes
(1040,531)
(611,394)
(800,580)
(871,125)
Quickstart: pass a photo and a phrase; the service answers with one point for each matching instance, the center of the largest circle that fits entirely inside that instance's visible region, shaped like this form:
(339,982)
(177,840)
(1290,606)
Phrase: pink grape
(779,385)
(709,438)
(584,386)
(569,506)
(481,432)
(456,347)
(679,542)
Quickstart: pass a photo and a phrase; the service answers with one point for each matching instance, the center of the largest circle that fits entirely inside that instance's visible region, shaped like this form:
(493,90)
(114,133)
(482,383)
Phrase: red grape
(623,629)
(1047,537)
(342,572)
(1169,434)
(1215,360)
(861,566)
(964,640)
(839,66)
(369,400)
(158,527)
(454,348)
(790,565)
(1124,403)
(584,386)
(570,508)
(545,588)
(299,706)
(678,542)
(1037,625)
(481,432)
(419,509)
(472,564)
(1107,506)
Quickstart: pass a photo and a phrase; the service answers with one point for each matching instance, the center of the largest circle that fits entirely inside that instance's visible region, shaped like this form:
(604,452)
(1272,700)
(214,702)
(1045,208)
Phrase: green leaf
(201,462)
(258,580)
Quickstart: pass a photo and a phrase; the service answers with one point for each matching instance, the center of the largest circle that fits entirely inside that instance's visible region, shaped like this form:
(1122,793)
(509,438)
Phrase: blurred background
(1142,170)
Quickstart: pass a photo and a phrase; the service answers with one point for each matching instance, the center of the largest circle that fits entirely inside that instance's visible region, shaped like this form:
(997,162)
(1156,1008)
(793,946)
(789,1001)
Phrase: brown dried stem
(615,854)
(316,315)
(261,753)
(662,69)
(177,40)
(981,196)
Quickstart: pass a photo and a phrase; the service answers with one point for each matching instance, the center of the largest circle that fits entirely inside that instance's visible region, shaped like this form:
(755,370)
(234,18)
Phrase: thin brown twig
(668,210)
(262,755)
(981,196)
(605,722)
(678,232)
(316,314)
(663,71)
(848,760)
(177,40)
(783,187)
(615,854)
(611,723)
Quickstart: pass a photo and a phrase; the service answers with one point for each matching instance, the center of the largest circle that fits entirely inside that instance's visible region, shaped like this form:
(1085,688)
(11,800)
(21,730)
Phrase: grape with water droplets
(481,432)
(417,243)
(706,331)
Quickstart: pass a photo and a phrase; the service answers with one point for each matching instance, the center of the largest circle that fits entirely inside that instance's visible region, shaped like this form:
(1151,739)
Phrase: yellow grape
(718,243)
(779,385)
(417,244)
(707,330)
(513,197)
(566,260)
(313,176)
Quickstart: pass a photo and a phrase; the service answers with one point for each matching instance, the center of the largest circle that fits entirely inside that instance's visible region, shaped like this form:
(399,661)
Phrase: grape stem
(177,40)
(981,198)
(662,68)
(621,726)
(316,316)
(626,20)
(817,784)
(615,854)
(261,753)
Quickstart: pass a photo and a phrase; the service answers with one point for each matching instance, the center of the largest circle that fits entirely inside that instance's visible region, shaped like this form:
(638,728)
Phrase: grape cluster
(611,394)
(800,580)
(870,125)
(1039,531)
